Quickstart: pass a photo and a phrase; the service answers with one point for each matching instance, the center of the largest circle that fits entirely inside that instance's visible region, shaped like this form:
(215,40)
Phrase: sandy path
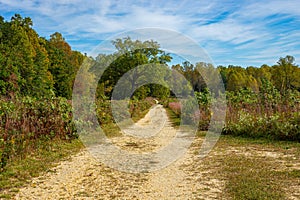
(83,177)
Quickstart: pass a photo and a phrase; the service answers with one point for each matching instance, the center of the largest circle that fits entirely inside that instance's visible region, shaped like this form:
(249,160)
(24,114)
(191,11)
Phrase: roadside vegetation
(263,102)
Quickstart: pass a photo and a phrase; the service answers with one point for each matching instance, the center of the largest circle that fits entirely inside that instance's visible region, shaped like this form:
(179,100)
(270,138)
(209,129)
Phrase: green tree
(210,77)
(23,59)
(64,64)
(286,74)
(130,55)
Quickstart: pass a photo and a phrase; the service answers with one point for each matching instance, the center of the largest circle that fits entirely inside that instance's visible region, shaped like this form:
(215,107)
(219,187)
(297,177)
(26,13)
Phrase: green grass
(251,178)
(246,177)
(256,177)
(294,173)
(111,129)
(175,120)
(19,171)
(139,115)
(277,145)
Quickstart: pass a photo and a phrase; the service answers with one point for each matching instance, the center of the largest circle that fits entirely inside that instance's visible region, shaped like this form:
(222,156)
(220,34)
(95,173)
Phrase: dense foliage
(31,65)
(36,79)
(26,121)
(266,113)
(284,76)
(261,102)
(130,54)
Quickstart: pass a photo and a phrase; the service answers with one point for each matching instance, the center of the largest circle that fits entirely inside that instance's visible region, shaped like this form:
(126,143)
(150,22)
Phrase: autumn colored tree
(64,64)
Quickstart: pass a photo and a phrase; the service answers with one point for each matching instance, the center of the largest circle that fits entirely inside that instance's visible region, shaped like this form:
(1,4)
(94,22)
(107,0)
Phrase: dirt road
(83,177)
(189,177)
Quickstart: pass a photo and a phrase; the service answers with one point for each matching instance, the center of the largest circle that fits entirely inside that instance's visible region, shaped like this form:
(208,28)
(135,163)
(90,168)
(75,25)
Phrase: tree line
(284,75)
(34,66)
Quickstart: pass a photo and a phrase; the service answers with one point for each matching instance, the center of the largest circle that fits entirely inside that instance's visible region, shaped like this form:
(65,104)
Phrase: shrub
(135,108)
(26,120)
(175,107)
(266,114)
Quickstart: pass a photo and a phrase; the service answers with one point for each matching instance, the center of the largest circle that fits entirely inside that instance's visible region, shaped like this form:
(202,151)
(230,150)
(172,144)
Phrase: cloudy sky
(252,32)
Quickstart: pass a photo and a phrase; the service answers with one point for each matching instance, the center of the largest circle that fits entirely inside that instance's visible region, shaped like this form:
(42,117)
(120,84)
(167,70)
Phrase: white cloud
(226,28)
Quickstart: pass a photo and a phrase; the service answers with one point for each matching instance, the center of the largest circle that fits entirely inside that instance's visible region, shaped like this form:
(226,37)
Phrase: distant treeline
(285,75)
(34,66)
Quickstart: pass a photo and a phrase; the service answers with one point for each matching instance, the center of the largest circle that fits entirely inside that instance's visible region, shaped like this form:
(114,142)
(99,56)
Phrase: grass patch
(175,120)
(139,115)
(263,143)
(295,173)
(111,129)
(251,178)
(20,171)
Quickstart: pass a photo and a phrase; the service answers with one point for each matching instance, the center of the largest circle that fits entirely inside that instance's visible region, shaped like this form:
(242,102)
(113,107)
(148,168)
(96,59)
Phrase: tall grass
(135,108)
(266,113)
(25,121)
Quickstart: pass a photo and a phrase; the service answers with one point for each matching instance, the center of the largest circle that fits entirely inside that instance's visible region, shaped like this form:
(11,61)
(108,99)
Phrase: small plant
(175,107)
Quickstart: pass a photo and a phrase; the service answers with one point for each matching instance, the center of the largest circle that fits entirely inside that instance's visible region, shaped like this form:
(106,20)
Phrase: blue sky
(245,33)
